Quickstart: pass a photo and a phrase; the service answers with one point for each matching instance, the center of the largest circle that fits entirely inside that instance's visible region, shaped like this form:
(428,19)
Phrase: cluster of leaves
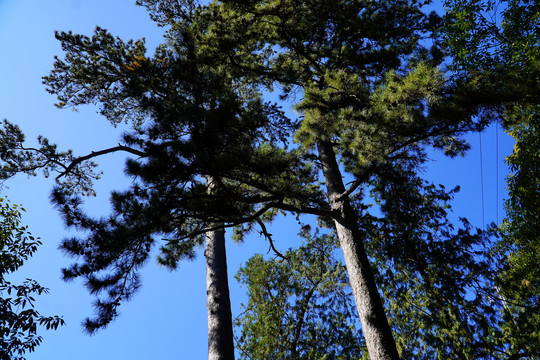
(18,317)
(486,34)
(300,305)
(520,282)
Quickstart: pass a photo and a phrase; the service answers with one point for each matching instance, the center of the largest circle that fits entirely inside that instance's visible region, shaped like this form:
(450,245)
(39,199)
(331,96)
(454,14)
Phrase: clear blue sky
(167,318)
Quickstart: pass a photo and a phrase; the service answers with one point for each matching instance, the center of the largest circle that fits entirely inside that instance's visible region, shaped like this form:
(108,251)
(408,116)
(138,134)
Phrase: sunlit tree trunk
(220,329)
(378,335)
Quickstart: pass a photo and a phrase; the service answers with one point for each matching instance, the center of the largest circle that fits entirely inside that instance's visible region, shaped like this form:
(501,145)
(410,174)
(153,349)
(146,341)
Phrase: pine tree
(371,94)
(190,123)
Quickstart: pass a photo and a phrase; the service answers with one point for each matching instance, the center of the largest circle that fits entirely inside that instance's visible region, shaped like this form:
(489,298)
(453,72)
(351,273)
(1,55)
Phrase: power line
(497,169)
(482,183)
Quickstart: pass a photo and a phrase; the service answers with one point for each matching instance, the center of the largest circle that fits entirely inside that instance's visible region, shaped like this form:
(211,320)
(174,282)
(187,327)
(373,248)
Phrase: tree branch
(301,317)
(522,355)
(302,209)
(252,217)
(268,236)
(94,154)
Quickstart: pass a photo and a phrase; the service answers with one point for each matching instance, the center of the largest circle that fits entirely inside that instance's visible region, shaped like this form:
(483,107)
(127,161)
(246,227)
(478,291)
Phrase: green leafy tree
(438,278)
(300,305)
(19,319)
(520,280)
(507,54)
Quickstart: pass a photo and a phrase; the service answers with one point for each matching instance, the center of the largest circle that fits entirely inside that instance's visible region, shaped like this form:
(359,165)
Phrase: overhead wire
(482,183)
(496,176)
(497,170)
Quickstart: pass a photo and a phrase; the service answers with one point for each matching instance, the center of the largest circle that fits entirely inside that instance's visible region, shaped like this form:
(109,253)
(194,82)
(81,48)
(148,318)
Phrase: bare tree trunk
(220,329)
(378,335)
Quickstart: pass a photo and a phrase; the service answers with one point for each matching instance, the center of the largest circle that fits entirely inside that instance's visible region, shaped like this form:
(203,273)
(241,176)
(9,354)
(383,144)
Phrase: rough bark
(220,329)
(378,335)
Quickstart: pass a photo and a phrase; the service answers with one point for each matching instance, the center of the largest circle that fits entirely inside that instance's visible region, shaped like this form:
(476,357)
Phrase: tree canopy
(300,305)
(374,96)
(438,280)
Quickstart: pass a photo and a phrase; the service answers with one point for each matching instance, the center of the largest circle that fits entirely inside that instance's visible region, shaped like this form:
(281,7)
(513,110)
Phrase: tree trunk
(378,335)
(220,330)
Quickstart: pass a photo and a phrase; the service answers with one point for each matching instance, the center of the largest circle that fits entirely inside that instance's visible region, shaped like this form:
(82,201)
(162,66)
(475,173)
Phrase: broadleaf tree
(299,305)
(19,320)
(507,52)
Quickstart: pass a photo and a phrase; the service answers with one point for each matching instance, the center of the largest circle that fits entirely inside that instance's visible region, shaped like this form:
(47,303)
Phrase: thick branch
(256,215)
(252,217)
(302,209)
(94,154)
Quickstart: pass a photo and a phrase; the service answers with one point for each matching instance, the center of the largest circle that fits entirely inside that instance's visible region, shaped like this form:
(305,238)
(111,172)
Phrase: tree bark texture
(220,329)
(378,335)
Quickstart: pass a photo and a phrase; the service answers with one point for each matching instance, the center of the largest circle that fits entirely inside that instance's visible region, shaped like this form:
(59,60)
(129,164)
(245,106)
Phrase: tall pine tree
(190,123)
(371,98)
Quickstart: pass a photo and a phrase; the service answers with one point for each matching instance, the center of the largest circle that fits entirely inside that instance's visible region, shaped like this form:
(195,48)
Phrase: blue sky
(167,318)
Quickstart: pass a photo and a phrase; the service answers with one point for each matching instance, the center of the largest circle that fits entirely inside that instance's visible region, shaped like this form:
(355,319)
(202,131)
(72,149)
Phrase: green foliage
(402,113)
(371,88)
(300,306)
(498,44)
(438,282)
(189,122)
(507,54)
(437,279)
(520,282)
(522,225)
(483,34)
(18,317)
(72,174)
